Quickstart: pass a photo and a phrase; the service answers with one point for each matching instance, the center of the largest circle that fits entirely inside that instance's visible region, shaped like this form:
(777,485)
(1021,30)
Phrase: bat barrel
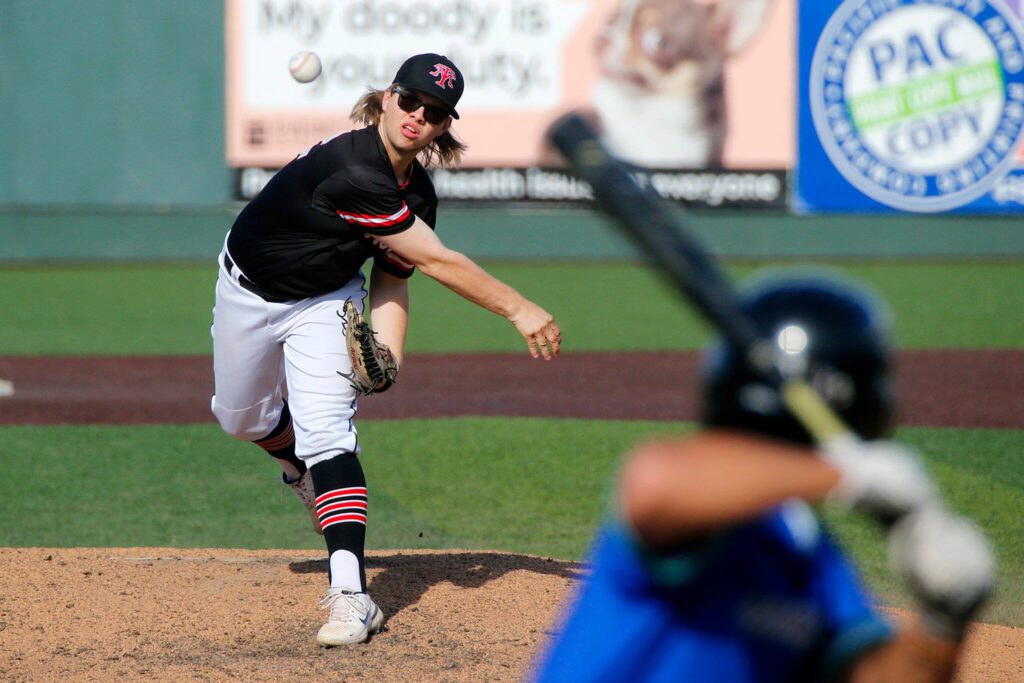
(646,219)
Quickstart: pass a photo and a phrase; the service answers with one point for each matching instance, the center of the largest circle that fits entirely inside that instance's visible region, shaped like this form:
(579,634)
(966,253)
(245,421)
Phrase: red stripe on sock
(282,440)
(352,491)
(353,504)
(341,519)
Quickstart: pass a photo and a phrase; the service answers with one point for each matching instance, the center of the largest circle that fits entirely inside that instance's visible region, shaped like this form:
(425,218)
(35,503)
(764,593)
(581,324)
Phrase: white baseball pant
(265,352)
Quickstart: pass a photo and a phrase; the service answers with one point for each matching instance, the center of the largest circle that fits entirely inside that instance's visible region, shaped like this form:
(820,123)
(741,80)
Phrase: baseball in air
(304,66)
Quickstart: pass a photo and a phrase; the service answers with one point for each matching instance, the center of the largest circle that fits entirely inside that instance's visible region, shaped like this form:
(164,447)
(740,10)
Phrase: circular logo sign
(920,105)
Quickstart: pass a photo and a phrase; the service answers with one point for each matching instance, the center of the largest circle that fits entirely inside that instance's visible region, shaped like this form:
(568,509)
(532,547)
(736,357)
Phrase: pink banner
(674,83)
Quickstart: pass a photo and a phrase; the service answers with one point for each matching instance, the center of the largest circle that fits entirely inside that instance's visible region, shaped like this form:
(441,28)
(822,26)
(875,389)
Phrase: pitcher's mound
(163,614)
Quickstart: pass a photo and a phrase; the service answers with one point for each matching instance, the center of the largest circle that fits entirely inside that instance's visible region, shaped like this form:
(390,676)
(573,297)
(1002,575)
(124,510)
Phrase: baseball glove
(374,367)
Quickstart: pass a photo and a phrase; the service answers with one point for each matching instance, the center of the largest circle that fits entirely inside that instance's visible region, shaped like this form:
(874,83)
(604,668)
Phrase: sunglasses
(409,102)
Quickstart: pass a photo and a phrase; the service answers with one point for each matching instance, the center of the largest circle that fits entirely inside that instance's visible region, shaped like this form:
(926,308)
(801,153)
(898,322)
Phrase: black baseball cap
(434,75)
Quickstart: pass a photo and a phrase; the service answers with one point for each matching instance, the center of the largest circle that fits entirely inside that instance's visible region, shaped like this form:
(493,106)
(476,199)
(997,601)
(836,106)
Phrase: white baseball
(304,66)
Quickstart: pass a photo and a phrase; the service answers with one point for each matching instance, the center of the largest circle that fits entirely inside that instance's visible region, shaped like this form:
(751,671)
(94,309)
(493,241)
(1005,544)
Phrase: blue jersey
(771,600)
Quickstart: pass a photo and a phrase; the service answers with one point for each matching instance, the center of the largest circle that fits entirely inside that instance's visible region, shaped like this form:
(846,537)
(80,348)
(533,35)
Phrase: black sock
(280,443)
(341,502)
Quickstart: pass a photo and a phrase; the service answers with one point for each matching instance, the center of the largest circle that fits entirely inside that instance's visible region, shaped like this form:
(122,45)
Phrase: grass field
(531,486)
(166,309)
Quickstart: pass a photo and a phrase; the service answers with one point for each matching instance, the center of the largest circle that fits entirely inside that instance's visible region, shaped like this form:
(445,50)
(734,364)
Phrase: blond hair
(445,150)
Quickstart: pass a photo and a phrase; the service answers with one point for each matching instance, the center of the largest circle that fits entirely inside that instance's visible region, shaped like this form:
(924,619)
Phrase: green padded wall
(112,147)
(112,102)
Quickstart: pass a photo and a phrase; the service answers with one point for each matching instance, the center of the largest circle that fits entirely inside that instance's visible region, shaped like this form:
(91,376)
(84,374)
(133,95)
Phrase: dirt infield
(937,388)
(161,614)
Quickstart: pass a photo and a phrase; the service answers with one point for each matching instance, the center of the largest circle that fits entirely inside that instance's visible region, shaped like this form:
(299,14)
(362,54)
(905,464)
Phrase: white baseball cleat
(303,487)
(353,618)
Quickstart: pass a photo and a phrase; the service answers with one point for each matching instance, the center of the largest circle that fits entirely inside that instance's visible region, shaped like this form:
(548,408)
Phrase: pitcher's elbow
(437,264)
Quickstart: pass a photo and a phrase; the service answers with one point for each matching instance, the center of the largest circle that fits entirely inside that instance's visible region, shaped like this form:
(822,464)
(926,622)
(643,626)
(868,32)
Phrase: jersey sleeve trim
(393,268)
(377,222)
(387,260)
(851,642)
(672,570)
(394,264)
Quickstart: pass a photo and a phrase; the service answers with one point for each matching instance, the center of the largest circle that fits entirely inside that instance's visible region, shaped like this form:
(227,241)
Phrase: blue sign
(910,106)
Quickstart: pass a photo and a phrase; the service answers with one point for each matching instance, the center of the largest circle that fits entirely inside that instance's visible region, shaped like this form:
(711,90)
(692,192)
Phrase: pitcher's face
(411,131)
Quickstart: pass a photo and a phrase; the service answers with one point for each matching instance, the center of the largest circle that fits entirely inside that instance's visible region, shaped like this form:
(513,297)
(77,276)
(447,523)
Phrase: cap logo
(445,74)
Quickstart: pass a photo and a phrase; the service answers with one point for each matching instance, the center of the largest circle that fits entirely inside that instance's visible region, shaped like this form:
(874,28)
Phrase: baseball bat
(667,241)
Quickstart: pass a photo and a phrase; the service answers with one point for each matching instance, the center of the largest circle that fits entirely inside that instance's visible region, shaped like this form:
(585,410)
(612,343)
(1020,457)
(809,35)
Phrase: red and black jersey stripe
(372,222)
(306,233)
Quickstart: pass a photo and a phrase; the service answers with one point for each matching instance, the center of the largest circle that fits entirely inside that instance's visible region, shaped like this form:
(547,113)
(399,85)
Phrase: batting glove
(883,479)
(948,564)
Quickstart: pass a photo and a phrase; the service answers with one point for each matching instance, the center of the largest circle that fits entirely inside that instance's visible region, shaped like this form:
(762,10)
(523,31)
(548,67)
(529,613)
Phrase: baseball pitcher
(292,352)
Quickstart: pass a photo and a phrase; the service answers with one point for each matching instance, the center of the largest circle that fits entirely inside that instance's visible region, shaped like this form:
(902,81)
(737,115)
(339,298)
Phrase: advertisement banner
(701,91)
(910,105)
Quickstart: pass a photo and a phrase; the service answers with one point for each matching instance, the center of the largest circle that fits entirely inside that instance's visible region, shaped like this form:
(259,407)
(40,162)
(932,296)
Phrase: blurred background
(131,134)
(134,130)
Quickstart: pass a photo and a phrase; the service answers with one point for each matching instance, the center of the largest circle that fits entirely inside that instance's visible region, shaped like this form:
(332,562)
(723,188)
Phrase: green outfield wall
(520,233)
(112,147)
(112,102)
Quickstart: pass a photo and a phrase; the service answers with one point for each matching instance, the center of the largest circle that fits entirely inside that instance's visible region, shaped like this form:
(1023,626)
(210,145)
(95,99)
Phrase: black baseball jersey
(310,230)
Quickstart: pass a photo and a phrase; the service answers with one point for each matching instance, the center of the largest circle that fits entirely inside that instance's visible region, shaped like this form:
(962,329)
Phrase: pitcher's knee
(247,424)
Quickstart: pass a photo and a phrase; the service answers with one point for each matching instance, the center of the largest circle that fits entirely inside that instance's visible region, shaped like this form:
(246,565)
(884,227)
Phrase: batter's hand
(539,329)
(949,565)
(883,479)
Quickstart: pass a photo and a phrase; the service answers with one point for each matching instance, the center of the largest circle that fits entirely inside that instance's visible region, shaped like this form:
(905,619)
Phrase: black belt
(248,284)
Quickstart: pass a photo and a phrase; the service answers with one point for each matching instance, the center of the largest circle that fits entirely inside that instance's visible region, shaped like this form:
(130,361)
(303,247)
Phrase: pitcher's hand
(539,329)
